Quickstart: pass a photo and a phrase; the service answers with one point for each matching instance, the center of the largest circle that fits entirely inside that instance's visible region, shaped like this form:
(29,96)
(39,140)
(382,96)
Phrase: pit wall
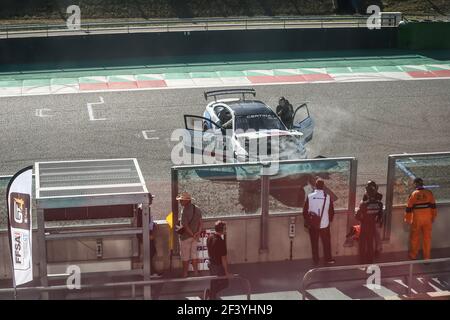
(242,240)
(94,49)
(90,50)
(424,35)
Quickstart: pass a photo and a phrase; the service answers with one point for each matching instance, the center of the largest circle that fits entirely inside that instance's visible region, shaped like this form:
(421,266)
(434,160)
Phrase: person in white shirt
(318,213)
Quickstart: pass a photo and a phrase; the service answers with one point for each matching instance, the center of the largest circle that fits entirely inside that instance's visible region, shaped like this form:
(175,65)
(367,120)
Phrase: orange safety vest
(421,201)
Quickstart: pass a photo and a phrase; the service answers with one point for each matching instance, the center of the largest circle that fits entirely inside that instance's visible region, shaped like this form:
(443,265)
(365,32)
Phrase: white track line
(91,111)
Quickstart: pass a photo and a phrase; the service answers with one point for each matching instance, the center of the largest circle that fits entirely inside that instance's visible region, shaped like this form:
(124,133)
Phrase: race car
(240,124)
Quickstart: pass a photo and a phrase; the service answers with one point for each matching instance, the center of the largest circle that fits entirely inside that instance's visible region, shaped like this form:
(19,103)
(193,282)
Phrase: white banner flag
(19,203)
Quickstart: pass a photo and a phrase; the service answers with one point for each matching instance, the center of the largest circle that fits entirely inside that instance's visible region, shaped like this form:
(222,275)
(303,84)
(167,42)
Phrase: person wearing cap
(286,112)
(191,222)
(370,213)
(319,203)
(420,214)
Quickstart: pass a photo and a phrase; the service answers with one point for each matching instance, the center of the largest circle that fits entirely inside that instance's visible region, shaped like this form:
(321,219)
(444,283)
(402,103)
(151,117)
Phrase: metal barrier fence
(433,168)
(263,189)
(4,180)
(305,283)
(192,24)
(131,284)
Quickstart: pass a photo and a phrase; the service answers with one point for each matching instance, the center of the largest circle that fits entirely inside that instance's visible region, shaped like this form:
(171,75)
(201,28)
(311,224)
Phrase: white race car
(239,125)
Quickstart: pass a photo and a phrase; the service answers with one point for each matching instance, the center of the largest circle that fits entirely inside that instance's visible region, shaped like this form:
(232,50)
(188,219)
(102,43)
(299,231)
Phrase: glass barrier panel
(294,181)
(223,191)
(433,169)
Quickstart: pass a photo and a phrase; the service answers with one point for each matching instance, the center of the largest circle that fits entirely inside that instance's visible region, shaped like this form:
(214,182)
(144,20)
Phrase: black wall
(173,44)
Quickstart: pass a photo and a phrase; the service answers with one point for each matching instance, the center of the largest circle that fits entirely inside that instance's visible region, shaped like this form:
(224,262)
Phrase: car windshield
(259,122)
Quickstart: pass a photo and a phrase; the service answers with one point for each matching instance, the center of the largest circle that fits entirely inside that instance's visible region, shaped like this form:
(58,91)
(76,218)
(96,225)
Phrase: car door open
(200,136)
(303,122)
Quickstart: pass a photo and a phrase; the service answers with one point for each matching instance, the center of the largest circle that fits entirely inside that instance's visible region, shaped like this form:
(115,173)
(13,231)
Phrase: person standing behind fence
(420,215)
(318,213)
(370,213)
(192,225)
(378,196)
(218,263)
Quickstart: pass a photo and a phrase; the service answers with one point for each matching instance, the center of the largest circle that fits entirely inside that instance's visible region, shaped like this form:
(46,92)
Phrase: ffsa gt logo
(19,206)
(18,254)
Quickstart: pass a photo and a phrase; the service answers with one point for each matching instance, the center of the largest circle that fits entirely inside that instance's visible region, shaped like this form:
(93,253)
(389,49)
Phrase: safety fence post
(389,197)
(411,266)
(264,207)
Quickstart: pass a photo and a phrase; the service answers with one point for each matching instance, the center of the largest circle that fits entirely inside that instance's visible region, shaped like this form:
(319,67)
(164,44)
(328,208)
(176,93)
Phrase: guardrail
(131,284)
(187,25)
(306,278)
(426,18)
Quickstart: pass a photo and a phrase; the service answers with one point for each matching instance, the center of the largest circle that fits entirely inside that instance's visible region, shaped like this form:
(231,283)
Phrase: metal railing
(191,24)
(306,281)
(131,284)
(426,17)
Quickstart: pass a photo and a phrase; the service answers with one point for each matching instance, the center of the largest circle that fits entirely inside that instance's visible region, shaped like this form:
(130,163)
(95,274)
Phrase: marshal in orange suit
(420,214)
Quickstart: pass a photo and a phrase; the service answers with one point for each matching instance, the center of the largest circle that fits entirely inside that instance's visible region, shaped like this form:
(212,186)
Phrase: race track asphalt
(367,120)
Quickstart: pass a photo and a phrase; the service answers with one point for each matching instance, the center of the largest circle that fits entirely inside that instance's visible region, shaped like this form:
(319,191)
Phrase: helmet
(282,99)
(372,184)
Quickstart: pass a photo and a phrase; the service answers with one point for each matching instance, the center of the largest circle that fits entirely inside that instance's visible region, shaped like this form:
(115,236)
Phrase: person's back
(318,213)
(218,264)
(422,201)
(216,248)
(420,213)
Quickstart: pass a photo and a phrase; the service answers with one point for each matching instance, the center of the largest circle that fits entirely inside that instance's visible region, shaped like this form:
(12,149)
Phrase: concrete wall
(77,50)
(243,237)
(424,35)
(242,240)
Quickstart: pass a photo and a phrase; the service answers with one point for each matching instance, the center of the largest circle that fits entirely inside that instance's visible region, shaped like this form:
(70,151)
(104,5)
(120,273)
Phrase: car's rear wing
(217,93)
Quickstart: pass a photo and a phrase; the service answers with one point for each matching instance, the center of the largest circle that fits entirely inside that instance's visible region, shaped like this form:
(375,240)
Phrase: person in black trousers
(319,207)
(370,214)
(218,263)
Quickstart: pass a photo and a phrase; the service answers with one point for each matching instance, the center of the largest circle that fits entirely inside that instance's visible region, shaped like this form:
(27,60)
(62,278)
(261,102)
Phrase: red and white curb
(218,79)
